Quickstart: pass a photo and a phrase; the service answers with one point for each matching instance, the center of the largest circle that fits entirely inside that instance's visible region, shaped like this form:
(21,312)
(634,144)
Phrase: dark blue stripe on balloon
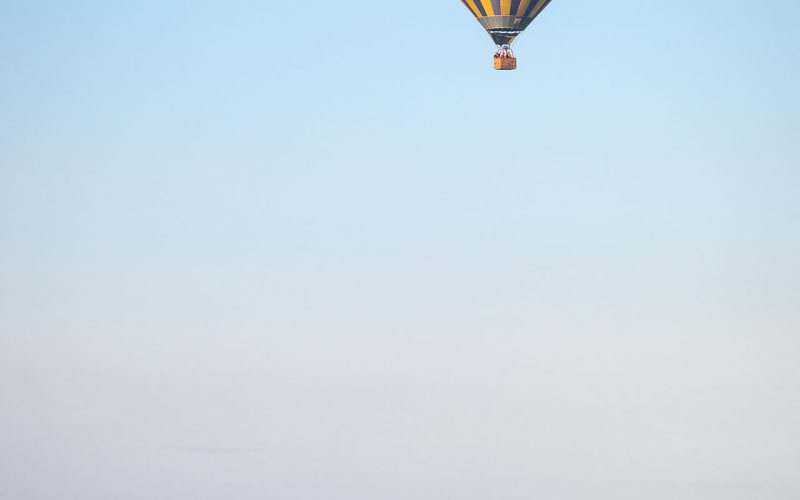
(514,6)
(480,7)
(531,7)
(496,7)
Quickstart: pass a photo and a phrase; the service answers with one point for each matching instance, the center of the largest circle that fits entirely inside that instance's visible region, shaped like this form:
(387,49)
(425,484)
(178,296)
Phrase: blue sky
(262,250)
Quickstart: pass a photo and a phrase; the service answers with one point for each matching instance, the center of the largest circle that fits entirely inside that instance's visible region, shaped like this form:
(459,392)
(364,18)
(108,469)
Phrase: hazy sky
(259,250)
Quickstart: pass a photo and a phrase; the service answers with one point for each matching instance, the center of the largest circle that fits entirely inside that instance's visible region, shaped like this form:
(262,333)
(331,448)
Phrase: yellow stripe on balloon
(474,8)
(487,6)
(536,9)
(523,6)
(505,7)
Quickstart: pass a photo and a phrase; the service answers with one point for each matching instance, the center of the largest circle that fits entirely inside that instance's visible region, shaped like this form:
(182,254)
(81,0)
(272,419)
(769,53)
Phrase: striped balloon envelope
(504,20)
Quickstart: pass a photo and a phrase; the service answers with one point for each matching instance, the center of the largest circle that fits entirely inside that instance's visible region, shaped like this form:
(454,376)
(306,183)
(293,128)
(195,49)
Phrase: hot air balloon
(504,20)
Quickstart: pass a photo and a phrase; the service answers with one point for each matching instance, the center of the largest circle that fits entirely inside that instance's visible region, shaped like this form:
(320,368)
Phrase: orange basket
(505,63)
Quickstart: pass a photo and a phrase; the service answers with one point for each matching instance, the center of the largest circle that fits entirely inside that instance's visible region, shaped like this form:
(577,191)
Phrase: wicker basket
(505,63)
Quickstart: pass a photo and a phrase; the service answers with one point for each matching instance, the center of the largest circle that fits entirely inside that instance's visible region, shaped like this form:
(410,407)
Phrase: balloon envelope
(504,20)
